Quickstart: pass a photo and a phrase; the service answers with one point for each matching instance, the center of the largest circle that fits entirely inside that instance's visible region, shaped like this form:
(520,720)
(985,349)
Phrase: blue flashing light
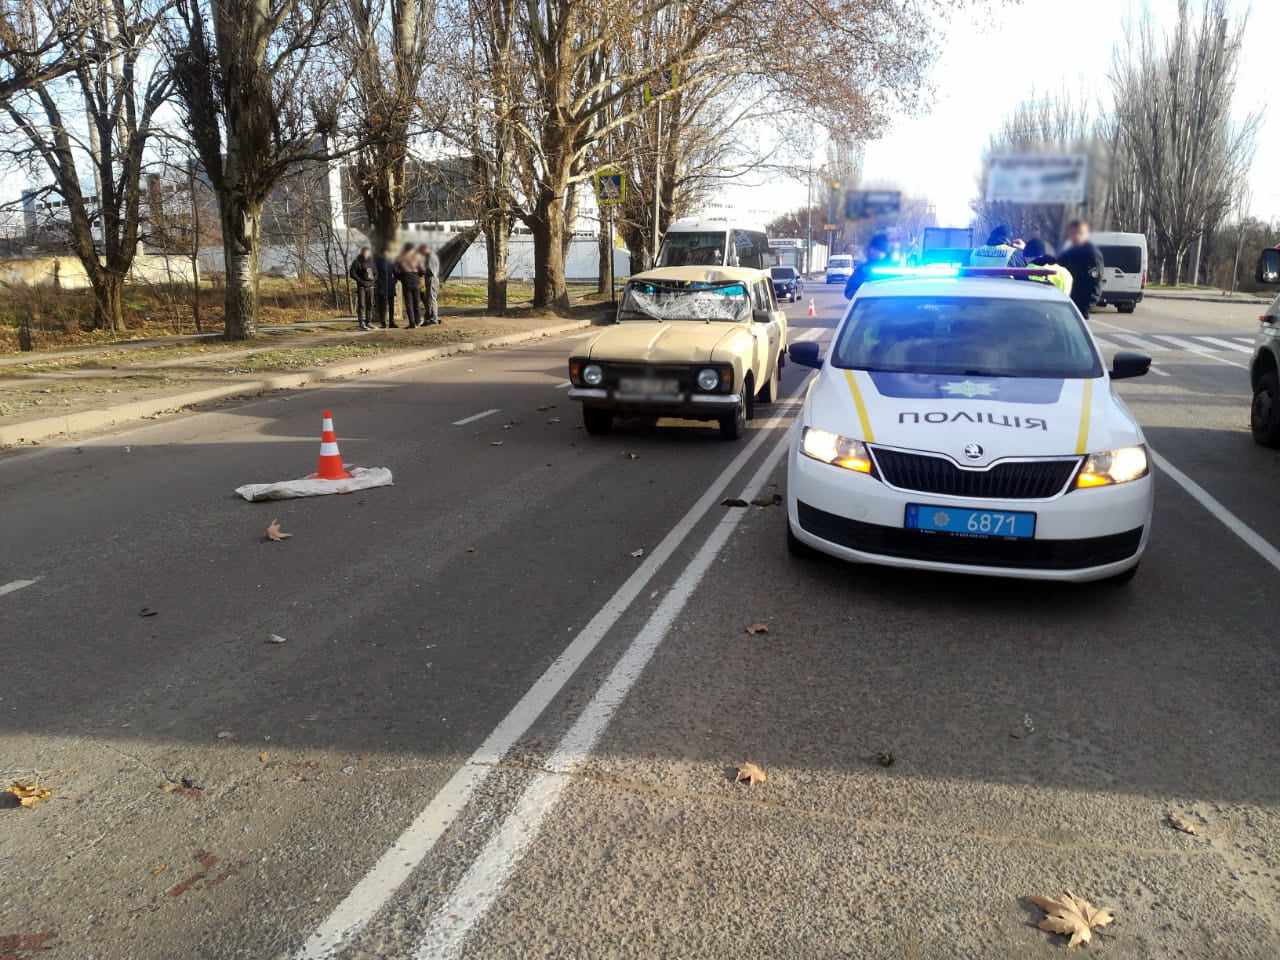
(942,270)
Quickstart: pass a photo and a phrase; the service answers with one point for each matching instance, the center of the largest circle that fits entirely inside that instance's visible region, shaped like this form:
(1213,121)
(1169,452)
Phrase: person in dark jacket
(365,274)
(384,290)
(1084,261)
(877,253)
(409,273)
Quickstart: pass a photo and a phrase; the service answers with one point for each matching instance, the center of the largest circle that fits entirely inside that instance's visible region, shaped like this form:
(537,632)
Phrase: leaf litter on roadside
(276,533)
(29,794)
(733,502)
(772,500)
(755,628)
(1073,917)
(1185,824)
(750,773)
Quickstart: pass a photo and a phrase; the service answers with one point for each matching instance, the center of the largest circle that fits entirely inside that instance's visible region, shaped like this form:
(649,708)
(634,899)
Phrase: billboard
(1038,178)
(869,204)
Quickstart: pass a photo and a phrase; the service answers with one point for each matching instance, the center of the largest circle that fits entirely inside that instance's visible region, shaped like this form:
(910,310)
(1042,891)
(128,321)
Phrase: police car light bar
(944,271)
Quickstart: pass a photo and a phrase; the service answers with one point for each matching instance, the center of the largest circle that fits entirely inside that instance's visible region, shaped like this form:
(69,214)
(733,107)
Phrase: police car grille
(1017,480)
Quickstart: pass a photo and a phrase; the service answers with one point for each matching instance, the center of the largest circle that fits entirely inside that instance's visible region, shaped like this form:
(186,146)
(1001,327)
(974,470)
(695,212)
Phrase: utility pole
(657,181)
(808,216)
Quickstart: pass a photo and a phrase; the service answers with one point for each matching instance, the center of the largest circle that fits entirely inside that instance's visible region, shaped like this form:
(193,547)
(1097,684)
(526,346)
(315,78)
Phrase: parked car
(839,268)
(787,283)
(698,343)
(1264,370)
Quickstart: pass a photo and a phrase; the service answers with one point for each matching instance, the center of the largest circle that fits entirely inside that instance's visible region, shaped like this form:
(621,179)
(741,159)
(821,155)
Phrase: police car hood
(972,420)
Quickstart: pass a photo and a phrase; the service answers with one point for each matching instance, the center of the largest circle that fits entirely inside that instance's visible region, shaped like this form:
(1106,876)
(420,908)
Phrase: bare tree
(1173,95)
(259,100)
(103,127)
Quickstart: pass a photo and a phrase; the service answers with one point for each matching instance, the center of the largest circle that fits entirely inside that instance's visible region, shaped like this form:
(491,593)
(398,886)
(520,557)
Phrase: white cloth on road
(362,478)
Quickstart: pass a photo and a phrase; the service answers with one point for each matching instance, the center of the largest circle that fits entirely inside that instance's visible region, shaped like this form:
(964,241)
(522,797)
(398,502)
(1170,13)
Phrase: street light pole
(657,180)
(808,214)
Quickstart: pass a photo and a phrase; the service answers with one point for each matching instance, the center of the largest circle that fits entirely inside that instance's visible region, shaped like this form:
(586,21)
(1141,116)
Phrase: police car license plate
(970,523)
(648,385)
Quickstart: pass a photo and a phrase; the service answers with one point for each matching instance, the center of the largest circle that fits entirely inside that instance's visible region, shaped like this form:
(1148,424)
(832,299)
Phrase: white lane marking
(1125,340)
(813,333)
(1180,343)
(1225,344)
(1190,348)
(474,417)
(564,386)
(1157,371)
(483,882)
(395,866)
(1229,519)
(13,586)
(1247,341)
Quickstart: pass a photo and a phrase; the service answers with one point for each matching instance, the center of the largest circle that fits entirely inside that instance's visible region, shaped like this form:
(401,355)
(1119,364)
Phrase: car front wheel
(597,420)
(1264,417)
(734,425)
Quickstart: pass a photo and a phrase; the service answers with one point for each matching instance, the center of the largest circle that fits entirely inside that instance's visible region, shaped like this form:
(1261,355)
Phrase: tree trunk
(241,238)
(547,226)
(108,300)
(606,249)
(497,242)
(384,228)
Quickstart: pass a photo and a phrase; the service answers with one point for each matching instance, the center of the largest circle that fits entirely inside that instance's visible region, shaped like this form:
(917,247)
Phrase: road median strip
(66,425)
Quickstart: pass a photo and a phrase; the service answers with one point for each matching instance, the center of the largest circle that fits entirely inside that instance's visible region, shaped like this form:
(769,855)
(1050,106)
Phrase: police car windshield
(968,336)
(646,300)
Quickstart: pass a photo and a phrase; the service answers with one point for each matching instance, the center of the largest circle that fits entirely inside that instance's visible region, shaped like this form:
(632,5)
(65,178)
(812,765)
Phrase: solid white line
(1225,344)
(15,585)
(474,417)
(394,867)
(1229,519)
(483,882)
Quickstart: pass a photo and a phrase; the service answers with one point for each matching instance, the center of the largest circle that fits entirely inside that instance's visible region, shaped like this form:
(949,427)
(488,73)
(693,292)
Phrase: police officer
(877,253)
(1084,260)
(1000,250)
(1037,255)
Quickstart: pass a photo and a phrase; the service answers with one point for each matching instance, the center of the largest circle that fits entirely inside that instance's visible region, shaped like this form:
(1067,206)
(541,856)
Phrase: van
(714,242)
(1124,277)
(839,268)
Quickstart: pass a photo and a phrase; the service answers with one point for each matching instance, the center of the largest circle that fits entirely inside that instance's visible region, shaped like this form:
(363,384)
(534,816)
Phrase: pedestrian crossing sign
(611,187)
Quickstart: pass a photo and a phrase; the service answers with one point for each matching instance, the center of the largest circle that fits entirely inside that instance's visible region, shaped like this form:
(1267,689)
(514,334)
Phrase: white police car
(966,423)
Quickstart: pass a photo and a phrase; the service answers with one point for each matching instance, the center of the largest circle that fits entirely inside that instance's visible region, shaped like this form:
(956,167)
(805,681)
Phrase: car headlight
(708,379)
(592,375)
(1113,466)
(836,450)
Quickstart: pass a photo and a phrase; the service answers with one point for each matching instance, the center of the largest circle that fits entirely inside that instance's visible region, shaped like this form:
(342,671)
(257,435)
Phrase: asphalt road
(493,732)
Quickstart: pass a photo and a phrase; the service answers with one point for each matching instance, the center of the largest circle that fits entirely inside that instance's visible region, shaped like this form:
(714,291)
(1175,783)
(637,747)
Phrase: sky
(1041,48)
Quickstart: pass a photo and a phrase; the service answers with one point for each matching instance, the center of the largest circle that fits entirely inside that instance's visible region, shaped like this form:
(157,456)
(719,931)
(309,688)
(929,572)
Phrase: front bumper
(688,406)
(1080,535)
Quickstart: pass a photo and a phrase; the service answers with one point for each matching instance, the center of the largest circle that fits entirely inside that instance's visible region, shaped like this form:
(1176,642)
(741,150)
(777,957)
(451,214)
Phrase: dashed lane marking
(474,417)
(13,586)
(564,386)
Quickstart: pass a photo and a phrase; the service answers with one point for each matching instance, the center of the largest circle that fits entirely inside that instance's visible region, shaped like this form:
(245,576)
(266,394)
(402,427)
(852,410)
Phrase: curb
(1206,298)
(33,431)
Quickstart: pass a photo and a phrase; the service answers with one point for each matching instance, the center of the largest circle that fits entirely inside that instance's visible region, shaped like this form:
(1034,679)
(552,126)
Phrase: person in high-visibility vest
(1037,255)
(1000,250)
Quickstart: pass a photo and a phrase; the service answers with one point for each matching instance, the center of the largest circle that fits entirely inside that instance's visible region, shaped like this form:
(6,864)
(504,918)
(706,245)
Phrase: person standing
(1000,250)
(1084,260)
(877,253)
(1038,255)
(384,290)
(409,273)
(430,284)
(365,274)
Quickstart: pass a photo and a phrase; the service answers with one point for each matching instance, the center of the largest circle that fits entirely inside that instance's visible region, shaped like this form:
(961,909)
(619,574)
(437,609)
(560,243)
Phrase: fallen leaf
(637,553)
(770,501)
(751,773)
(276,638)
(885,758)
(29,794)
(733,502)
(630,456)
(264,757)
(223,734)
(147,612)
(553,419)
(344,489)
(159,869)
(544,407)
(758,628)
(470,550)
(1179,822)
(1073,916)
(274,532)
(495,443)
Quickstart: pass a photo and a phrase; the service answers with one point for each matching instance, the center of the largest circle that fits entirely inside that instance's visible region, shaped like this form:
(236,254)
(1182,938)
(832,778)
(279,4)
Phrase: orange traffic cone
(330,460)
(812,312)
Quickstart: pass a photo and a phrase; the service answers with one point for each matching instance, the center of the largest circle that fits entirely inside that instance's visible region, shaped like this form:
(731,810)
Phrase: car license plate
(971,523)
(649,385)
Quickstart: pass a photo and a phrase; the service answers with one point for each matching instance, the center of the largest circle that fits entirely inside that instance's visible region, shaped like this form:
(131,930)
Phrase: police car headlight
(592,375)
(708,379)
(1113,466)
(836,450)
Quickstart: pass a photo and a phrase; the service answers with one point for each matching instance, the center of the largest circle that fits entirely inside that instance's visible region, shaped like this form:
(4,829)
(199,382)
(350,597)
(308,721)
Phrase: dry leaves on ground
(638,553)
(29,794)
(275,532)
(1073,916)
(276,638)
(751,773)
(733,502)
(772,500)
(147,612)
(543,407)
(755,628)
(1185,824)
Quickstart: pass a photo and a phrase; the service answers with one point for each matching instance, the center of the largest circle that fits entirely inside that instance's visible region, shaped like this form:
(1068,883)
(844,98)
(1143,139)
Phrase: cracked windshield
(592,480)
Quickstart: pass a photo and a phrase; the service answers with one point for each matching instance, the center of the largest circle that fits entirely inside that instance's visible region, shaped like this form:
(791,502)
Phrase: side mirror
(761,316)
(1126,365)
(805,353)
(1268,266)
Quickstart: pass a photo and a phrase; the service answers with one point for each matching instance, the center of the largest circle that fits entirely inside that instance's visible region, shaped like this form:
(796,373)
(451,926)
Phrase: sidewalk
(61,394)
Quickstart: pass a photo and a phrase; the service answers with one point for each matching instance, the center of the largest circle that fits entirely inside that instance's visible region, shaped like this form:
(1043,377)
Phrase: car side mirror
(1126,365)
(761,316)
(1268,266)
(805,353)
